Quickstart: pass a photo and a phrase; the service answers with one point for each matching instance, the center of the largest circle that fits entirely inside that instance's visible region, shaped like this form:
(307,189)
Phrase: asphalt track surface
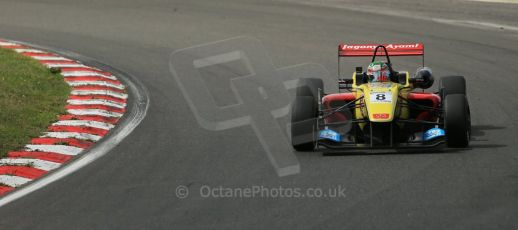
(133,186)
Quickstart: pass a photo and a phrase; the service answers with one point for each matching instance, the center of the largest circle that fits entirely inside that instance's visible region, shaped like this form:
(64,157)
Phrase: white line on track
(93,124)
(412,15)
(61,149)
(476,24)
(13,181)
(36,163)
(496,1)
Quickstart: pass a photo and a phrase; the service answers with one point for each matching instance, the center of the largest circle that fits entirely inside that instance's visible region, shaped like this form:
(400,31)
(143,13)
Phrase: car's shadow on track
(478,142)
(395,152)
(478,131)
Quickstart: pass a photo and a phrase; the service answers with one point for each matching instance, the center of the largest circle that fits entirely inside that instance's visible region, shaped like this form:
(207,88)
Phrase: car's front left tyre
(457,120)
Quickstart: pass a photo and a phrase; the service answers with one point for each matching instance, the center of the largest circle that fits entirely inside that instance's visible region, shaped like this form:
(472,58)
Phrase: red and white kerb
(96,103)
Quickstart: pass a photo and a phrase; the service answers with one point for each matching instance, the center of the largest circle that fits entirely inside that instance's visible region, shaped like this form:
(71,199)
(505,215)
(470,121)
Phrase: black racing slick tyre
(304,113)
(309,87)
(457,121)
(303,123)
(452,85)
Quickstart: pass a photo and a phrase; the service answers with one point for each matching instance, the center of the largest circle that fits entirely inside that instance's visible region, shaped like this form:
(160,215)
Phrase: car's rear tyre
(304,113)
(452,85)
(457,121)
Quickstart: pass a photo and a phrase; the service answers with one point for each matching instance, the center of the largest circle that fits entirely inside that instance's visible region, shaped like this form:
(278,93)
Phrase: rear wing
(367,50)
(361,50)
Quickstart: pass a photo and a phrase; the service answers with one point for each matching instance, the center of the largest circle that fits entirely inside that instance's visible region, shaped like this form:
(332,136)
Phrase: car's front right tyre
(304,113)
(303,123)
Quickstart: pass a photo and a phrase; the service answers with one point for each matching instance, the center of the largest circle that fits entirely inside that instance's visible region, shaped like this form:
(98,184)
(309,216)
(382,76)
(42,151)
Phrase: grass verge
(31,98)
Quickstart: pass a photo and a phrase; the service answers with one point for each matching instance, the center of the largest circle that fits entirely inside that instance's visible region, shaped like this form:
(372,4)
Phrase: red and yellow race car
(381,107)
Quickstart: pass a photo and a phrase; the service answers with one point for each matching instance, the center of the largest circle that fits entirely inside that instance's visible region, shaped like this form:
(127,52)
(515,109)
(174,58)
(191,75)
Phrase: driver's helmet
(378,71)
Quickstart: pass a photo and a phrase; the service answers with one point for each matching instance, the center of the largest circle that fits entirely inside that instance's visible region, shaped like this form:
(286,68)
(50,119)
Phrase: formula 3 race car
(382,108)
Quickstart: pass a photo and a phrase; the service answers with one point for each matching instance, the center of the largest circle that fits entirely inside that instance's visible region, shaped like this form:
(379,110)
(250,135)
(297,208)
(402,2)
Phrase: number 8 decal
(385,97)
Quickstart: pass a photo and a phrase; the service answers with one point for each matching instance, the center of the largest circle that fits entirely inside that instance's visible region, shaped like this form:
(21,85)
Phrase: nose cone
(381,100)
